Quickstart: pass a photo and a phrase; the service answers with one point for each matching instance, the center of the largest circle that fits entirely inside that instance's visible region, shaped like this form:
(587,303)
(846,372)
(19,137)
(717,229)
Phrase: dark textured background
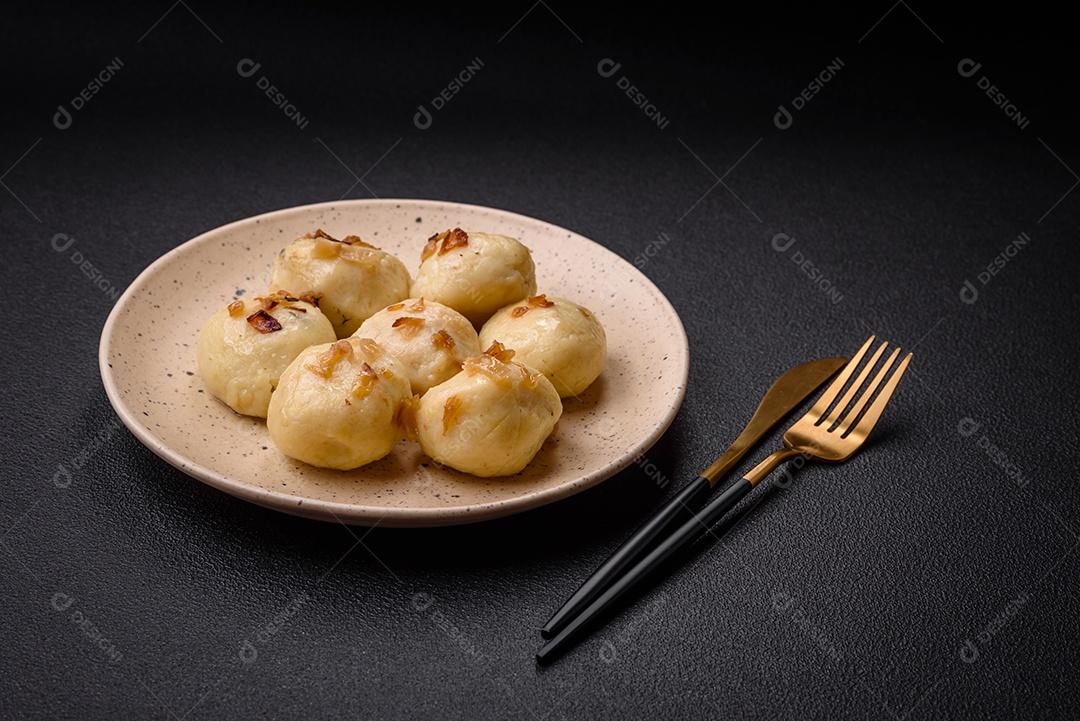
(848,594)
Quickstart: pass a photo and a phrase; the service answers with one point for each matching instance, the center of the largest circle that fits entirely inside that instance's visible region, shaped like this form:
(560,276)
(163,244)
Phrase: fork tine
(852,389)
(833,391)
(866,424)
(853,416)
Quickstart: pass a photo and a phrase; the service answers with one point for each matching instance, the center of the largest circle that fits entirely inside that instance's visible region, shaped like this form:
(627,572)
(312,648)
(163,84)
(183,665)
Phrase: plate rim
(352,514)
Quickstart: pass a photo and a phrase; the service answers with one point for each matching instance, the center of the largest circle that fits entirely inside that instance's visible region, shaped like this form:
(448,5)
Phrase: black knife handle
(690,529)
(672,513)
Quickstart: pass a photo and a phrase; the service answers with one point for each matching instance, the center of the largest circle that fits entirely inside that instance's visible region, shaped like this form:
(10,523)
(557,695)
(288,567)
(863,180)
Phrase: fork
(831,432)
(835,437)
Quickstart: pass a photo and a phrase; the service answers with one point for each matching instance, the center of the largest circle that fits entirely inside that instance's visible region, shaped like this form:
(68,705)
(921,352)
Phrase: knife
(790,390)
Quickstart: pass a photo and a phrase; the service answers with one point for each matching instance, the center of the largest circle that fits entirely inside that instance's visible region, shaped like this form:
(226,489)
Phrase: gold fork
(831,431)
(833,438)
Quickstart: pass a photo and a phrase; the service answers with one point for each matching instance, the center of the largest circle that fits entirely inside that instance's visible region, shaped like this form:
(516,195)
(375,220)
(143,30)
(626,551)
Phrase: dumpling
(557,337)
(490,419)
(431,339)
(474,273)
(355,279)
(337,405)
(243,349)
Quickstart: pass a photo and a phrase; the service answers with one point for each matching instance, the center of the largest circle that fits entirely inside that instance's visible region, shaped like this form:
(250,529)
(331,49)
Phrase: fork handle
(685,533)
(771,463)
(666,518)
(688,531)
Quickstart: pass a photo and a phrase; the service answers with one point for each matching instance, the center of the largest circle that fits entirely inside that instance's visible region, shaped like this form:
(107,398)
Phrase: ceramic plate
(148,366)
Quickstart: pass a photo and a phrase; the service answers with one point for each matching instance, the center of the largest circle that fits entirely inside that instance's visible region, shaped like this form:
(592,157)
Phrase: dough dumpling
(557,337)
(243,349)
(337,404)
(490,419)
(474,273)
(431,339)
(355,279)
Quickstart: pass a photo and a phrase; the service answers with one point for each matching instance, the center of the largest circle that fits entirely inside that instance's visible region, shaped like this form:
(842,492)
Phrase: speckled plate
(147,358)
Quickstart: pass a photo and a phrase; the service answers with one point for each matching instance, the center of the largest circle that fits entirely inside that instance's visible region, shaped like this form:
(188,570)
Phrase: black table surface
(818,177)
